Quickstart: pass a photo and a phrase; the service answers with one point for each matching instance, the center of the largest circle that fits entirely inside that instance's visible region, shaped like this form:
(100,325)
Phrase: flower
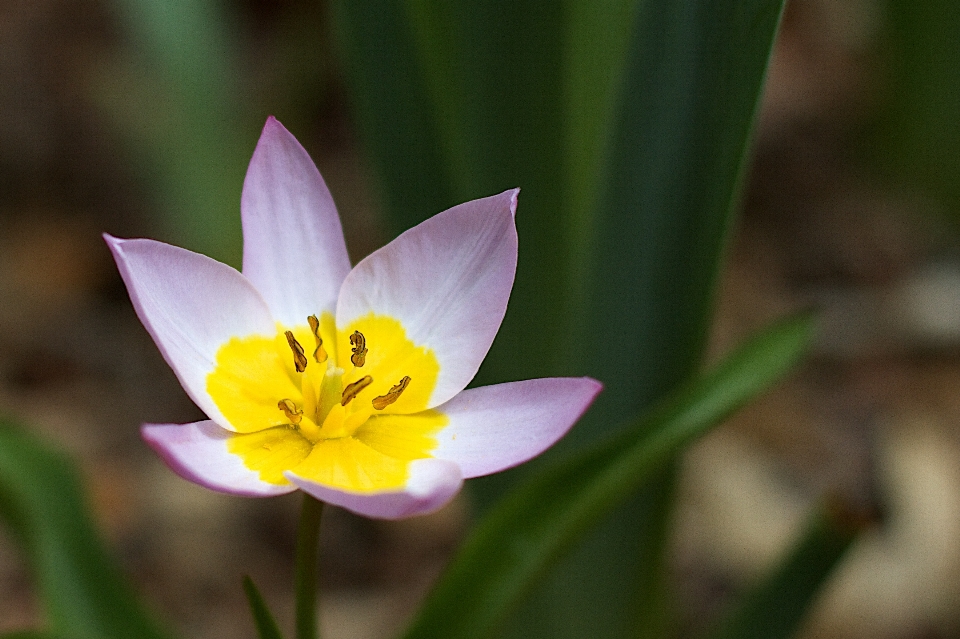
(347,384)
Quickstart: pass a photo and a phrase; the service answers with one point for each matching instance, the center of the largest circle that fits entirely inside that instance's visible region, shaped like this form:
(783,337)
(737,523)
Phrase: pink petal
(432,484)
(190,305)
(447,281)
(293,248)
(198,453)
(495,427)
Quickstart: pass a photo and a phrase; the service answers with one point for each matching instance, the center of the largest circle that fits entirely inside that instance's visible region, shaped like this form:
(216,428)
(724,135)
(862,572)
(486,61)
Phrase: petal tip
(492,428)
(589,390)
(113,243)
(595,384)
(514,197)
(273,127)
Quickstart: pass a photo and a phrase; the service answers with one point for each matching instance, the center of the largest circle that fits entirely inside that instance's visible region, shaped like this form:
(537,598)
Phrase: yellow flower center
(314,399)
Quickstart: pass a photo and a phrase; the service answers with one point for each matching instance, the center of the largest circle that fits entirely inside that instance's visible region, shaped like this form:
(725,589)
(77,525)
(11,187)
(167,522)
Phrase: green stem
(305,579)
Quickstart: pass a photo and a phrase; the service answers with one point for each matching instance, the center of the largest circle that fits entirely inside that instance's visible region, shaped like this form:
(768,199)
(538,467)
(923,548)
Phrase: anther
(299,359)
(319,353)
(352,390)
(359,343)
(290,409)
(392,395)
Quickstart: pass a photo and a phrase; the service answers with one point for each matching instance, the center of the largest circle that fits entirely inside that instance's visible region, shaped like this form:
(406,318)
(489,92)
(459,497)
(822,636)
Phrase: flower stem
(305,579)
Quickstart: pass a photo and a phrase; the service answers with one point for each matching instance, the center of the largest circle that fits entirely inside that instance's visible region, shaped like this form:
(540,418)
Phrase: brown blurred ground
(875,413)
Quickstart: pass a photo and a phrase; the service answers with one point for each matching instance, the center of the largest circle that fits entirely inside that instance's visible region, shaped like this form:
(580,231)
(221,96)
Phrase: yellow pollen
(352,390)
(319,354)
(392,395)
(299,359)
(359,343)
(294,414)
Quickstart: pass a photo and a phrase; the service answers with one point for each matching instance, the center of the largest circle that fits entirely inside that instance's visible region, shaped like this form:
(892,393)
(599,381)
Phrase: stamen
(359,343)
(352,390)
(290,409)
(392,395)
(319,354)
(299,359)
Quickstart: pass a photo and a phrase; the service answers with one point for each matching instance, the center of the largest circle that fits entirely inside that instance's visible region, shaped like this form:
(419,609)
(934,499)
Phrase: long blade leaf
(668,188)
(389,94)
(626,123)
(774,608)
(528,530)
(80,584)
(267,627)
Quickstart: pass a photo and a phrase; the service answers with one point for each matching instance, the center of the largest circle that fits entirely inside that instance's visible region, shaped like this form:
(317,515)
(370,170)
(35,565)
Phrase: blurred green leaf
(31,634)
(396,123)
(528,530)
(626,124)
(692,84)
(774,608)
(262,617)
(464,99)
(670,170)
(918,137)
(80,586)
(175,96)
(598,38)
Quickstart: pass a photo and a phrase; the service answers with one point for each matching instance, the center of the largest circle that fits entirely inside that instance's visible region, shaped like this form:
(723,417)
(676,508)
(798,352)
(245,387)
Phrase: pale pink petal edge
(198,453)
(432,484)
(448,281)
(493,428)
(191,305)
(293,246)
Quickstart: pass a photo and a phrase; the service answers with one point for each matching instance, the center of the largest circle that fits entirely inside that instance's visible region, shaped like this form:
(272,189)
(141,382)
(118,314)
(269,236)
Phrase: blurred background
(138,119)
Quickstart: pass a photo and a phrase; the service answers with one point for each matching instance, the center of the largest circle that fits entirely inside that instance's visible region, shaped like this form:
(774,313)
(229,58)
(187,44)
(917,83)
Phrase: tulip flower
(345,383)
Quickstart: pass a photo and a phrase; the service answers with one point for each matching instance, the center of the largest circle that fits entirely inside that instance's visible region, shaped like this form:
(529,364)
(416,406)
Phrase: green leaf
(626,124)
(266,625)
(677,142)
(774,608)
(30,634)
(82,590)
(176,98)
(528,530)
(464,99)
(389,94)
(680,138)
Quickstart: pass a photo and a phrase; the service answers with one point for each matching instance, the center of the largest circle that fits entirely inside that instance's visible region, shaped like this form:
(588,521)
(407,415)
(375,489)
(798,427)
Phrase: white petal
(191,305)
(293,248)
(447,281)
(198,452)
(495,427)
(431,485)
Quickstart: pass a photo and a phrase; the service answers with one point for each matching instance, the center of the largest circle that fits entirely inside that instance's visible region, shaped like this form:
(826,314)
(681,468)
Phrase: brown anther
(359,343)
(319,353)
(392,395)
(290,409)
(352,390)
(299,359)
